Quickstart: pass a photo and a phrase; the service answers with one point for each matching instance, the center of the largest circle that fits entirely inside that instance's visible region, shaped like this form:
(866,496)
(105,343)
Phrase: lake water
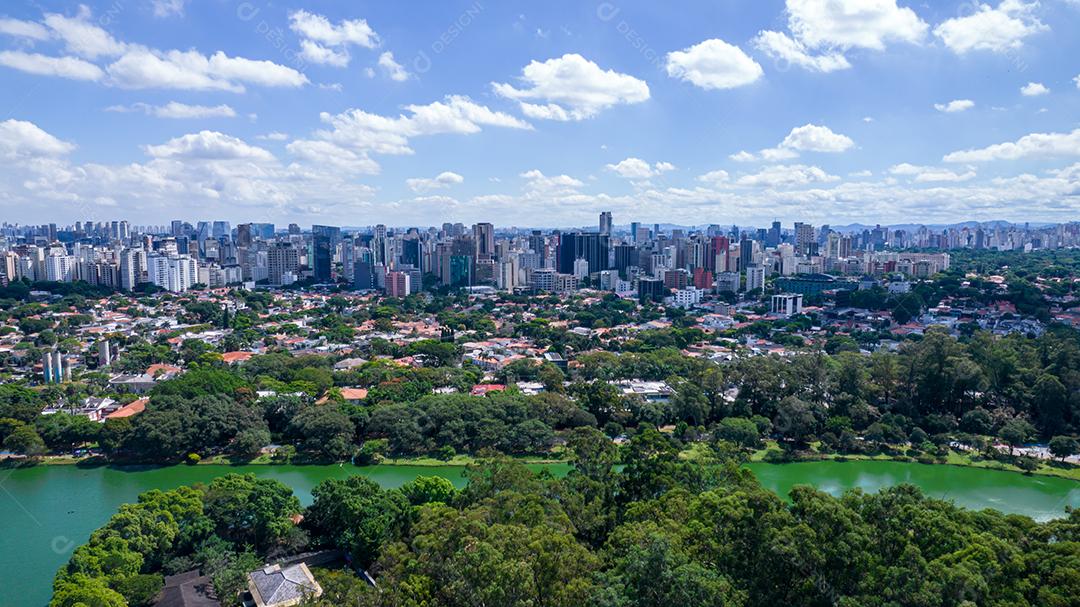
(47,511)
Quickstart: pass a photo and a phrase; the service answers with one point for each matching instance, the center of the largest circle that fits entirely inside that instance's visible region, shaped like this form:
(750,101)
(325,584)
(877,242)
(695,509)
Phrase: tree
(1064,446)
(324,432)
(24,440)
(356,515)
(428,490)
(250,510)
(83,591)
(740,431)
(1016,432)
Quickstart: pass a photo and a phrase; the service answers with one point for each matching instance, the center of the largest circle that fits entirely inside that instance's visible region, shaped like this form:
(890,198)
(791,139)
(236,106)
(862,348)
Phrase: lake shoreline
(955,459)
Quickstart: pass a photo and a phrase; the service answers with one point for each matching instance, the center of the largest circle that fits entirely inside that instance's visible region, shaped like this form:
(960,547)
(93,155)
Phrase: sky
(540,114)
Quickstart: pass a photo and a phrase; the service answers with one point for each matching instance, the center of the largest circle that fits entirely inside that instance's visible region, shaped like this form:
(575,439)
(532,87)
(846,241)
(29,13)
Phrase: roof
(236,357)
(354,393)
(275,586)
(188,590)
(133,408)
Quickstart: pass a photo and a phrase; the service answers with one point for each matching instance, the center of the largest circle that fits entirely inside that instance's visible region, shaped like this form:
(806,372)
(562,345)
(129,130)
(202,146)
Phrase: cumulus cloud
(23,29)
(177,110)
(784,49)
(71,68)
(786,176)
(638,169)
(991,29)
(136,66)
(539,182)
(806,138)
(327,43)
(365,131)
(208,145)
(326,154)
(191,70)
(1034,89)
(713,64)
(392,68)
(715,177)
(924,174)
(82,37)
(957,105)
(846,24)
(571,88)
(440,181)
(1035,144)
(21,139)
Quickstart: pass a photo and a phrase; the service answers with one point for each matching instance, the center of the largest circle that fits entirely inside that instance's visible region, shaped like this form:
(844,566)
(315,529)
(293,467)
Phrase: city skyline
(831,112)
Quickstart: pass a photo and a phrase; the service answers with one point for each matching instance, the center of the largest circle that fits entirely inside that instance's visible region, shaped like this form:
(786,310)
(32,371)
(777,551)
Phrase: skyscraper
(324,240)
(605,222)
(484,237)
(590,246)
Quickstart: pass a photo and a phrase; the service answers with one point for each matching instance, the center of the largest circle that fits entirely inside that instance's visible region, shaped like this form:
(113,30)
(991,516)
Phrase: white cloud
(814,138)
(957,105)
(327,154)
(845,24)
(991,29)
(1035,144)
(540,183)
(23,29)
(208,145)
(393,69)
(317,53)
(363,131)
(177,110)
(715,177)
(274,136)
(783,49)
(82,37)
(142,68)
(806,138)
(440,181)
(168,8)
(573,88)
(328,43)
(1077,81)
(713,64)
(923,174)
(72,68)
(786,176)
(636,168)
(135,66)
(21,139)
(1034,89)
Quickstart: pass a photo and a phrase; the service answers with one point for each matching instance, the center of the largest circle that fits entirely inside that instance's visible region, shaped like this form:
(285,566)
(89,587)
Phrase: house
(188,590)
(135,407)
(136,384)
(234,358)
(277,586)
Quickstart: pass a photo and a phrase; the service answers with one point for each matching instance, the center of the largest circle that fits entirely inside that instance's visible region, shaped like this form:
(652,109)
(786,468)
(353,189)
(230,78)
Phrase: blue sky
(540,113)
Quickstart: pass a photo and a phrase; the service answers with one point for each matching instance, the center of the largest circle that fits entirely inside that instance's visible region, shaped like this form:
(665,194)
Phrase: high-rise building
(755,278)
(605,222)
(590,246)
(397,284)
(282,260)
(484,239)
(804,237)
(324,240)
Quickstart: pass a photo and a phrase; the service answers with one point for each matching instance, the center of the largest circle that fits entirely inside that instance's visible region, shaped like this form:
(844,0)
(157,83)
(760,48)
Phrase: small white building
(787,304)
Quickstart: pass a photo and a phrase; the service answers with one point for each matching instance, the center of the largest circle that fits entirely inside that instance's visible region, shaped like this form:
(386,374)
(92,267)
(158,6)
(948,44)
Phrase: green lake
(46,511)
